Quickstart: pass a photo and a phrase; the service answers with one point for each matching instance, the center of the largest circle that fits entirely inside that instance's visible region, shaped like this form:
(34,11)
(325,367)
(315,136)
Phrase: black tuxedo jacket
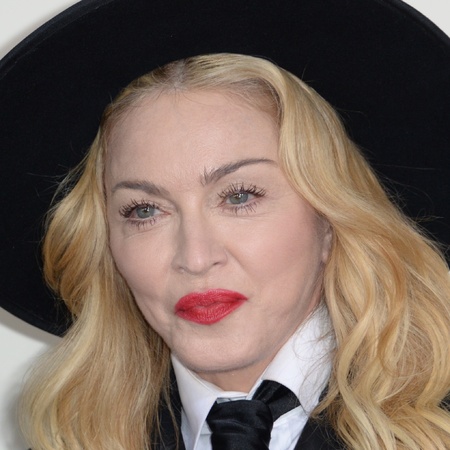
(315,436)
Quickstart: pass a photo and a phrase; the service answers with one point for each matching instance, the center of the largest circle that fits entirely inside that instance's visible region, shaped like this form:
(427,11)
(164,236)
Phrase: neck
(240,380)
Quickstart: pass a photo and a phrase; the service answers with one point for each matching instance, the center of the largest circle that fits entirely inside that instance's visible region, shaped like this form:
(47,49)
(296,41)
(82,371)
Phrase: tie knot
(248,423)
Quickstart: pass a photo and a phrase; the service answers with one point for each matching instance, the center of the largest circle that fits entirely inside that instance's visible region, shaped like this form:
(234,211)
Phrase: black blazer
(315,436)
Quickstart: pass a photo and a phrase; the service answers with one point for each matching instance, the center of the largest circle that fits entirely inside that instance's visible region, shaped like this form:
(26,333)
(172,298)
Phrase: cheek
(127,265)
(136,265)
(289,243)
(147,284)
(146,279)
(297,255)
(290,261)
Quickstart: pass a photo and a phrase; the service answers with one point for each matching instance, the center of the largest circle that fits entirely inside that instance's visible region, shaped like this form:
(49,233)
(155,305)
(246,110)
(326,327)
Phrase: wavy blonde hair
(386,288)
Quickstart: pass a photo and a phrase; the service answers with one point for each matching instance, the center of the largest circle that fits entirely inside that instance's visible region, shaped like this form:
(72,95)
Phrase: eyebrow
(211,176)
(141,185)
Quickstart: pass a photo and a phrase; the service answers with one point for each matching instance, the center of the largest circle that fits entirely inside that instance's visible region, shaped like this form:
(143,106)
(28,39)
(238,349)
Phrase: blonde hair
(386,288)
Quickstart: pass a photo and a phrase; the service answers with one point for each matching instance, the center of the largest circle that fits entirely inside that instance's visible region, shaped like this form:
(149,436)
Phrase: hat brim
(385,67)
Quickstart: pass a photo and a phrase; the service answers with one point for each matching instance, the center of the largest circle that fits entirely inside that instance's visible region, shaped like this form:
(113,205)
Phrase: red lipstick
(208,307)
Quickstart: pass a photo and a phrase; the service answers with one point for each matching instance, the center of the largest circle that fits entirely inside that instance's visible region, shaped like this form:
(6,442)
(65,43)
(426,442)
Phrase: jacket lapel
(170,430)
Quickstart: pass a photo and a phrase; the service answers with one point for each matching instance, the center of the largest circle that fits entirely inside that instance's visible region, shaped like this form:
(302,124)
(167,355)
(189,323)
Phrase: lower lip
(208,307)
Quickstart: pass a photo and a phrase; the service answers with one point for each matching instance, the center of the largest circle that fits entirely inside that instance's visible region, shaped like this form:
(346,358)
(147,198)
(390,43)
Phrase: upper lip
(208,298)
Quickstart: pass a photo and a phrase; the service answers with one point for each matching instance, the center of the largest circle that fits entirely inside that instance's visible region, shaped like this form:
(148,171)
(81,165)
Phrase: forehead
(194,131)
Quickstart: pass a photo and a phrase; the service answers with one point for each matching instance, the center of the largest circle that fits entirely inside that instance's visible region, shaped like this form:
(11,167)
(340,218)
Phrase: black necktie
(247,424)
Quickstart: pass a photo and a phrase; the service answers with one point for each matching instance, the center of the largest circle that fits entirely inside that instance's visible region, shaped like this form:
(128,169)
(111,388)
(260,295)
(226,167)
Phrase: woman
(224,239)
(221,215)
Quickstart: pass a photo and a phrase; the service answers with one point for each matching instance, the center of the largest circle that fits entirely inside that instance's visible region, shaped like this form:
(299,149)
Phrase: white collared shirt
(303,365)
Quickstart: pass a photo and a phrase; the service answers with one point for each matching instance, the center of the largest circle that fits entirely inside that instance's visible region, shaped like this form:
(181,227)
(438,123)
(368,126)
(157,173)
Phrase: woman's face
(224,259)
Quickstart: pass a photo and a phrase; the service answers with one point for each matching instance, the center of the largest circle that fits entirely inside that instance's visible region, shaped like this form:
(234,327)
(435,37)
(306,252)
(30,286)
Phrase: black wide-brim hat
(380,63)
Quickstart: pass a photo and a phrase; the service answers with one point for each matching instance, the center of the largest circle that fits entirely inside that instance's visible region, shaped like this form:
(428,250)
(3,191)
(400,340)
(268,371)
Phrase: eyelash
(240,188)
(126,211)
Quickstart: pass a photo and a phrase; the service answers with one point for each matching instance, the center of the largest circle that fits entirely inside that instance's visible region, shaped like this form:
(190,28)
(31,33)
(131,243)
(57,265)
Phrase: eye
(238,198)
(140,212)
(145,212)
(241,198)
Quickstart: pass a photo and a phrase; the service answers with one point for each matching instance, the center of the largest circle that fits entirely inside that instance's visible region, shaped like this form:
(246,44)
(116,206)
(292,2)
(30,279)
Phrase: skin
(196,200)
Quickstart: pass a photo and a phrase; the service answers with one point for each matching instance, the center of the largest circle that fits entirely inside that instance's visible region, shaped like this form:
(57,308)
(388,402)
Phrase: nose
(199,246)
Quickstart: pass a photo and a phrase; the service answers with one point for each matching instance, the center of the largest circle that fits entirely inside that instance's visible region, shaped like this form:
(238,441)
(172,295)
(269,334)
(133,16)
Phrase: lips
(208,307)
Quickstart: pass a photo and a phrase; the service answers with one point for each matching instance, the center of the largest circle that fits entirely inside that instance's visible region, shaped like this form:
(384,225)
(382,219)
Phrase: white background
(20,343)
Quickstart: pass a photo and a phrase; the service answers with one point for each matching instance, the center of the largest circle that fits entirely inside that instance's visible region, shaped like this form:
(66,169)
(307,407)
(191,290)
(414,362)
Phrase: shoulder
(319,435)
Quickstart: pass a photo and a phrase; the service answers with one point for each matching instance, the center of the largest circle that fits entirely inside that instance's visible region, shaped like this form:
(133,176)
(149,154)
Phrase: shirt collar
(197,398)
(303,365)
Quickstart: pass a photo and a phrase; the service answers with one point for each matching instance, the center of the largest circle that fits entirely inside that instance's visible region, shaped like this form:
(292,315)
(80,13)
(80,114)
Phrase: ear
(327,239)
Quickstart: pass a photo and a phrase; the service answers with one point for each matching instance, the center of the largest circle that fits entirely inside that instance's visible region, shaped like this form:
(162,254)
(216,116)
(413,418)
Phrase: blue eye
(239,198)
(140,211)
(145,212)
